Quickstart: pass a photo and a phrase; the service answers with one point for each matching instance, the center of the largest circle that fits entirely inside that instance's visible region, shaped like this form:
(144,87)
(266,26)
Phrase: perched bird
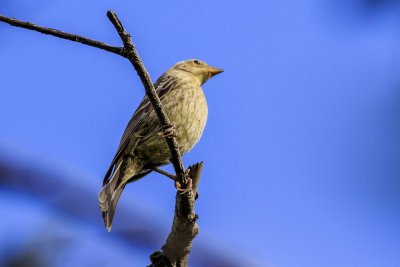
(141,147)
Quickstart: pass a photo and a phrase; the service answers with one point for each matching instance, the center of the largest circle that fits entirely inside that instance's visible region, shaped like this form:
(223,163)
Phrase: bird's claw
(168,131)
(188,186)
(178,186)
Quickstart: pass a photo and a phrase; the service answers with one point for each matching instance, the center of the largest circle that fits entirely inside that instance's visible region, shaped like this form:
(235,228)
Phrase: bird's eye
(197,62)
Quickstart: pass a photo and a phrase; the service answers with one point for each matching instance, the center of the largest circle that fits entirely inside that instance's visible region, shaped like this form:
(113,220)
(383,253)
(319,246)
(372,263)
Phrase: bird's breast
(187,109)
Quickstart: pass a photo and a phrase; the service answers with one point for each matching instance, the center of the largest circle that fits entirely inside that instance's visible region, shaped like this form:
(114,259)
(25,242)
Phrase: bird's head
(198,69)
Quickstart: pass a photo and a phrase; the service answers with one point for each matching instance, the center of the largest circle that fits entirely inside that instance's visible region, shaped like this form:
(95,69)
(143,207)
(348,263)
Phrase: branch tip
(60,34)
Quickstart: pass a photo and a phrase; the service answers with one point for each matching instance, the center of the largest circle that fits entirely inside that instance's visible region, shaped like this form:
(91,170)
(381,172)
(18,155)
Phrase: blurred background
(301,150)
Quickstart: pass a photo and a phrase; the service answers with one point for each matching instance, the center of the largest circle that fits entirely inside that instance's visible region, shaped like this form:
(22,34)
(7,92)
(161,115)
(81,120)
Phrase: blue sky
(301,146)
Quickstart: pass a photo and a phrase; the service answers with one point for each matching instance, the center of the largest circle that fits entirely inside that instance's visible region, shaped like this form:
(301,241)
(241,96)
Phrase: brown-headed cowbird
(141,147)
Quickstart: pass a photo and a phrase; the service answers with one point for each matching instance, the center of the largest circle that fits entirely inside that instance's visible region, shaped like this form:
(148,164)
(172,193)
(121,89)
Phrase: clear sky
(301,147)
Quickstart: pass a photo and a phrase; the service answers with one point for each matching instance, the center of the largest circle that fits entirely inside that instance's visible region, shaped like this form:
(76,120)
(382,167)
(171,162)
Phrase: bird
(143,147)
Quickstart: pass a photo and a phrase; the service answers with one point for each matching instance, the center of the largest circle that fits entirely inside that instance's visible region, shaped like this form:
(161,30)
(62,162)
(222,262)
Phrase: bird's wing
(163,85)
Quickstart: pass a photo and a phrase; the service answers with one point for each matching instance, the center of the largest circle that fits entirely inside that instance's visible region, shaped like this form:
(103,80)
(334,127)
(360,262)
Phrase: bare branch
(184,229)
(132,55)
(63,35)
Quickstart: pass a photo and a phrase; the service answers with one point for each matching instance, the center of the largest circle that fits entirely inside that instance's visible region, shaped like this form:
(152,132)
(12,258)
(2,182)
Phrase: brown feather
(163,85)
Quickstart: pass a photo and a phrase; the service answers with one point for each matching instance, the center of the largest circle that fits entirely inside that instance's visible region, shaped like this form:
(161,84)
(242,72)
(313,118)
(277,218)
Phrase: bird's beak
(213,71)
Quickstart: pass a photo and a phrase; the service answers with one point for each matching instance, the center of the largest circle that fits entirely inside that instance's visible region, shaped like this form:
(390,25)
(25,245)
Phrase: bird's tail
(112,190)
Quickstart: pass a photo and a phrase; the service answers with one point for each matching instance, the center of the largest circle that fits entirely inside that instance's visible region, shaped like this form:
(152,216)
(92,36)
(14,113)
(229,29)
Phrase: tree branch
(61,34)
(132,55)
(184,229)
(177,248)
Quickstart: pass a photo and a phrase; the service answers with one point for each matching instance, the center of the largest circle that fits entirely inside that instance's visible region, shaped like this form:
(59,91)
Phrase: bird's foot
(168,131)
(188,186)
(176,182)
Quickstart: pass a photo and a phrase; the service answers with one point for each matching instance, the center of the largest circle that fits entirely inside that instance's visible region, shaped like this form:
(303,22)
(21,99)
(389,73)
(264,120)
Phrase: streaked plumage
(141,147)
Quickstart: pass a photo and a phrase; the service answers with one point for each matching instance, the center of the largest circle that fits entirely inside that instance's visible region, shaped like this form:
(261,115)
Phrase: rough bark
(184,229)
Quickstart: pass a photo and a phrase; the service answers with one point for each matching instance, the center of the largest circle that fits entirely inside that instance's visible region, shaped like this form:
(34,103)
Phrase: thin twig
(63,35)
(132,55)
